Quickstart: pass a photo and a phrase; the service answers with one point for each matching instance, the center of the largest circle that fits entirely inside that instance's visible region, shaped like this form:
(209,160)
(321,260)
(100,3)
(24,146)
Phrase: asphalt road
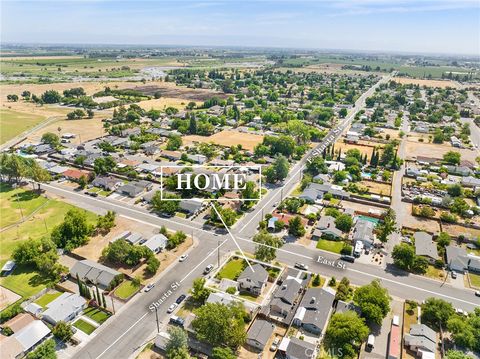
(126,332)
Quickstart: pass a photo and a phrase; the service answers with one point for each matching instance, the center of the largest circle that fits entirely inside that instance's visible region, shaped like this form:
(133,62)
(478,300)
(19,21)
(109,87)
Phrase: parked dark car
(181,299)
(346,258)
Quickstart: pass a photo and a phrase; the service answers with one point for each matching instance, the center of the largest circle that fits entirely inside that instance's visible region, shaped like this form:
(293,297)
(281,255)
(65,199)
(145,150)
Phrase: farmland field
(421,82)
(414,149)
(13,123)
(228,138)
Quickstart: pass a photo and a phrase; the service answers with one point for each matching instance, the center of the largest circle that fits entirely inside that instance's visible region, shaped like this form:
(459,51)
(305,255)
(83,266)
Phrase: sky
(422,26)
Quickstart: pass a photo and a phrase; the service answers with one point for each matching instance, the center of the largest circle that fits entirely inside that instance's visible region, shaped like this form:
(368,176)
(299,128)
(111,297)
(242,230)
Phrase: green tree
(106,222)
(374,301)
(295,227)
(345,333)
(387,226)
(178,342)
(51,139)
(452,158)
(278,171)
(462,332)
(63,331)
(152,265)
(51,96)
(162,206)
(174,143)
(436,312)
(46,350)
(344,222)
(199,292)
(403,256)
(455,190)
(343,290)
(266,250)
(222,353)
(219,324)
(456,354)
(73,232)
(316,165)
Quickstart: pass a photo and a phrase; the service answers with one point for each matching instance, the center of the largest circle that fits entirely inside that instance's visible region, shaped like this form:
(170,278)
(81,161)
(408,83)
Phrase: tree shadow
(392,269)
(26,196)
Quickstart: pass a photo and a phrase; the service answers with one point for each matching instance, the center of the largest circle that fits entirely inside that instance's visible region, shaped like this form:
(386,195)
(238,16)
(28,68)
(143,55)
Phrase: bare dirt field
(390,131)
(327,68)
(361,208)
(7,297)
(169,89)
(93,250)
(456,230)
(348,146)
(414,149)
(85,130)
(377,188)
(163,103)
(430,83)
(228,138)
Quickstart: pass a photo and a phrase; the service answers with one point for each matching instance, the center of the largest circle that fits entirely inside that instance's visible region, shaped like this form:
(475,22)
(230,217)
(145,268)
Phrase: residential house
(171,155)
(326,228)
(425,247)
(455,142)
(191,206)
(65,308)
(253,281)
(259,333)
(284,297)
(421,339)
(199,159)
(108,183)
(156,243)
(363,231)
(135,188)
(459,260)
(75,175)
(294,348)
(220,297)
(316,191)
(23,341)
(314,310)
(471,182)
(147,167)
(93,272)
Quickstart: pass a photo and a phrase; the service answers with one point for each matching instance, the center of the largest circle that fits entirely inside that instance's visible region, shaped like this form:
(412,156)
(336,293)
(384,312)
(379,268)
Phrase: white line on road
(121,336)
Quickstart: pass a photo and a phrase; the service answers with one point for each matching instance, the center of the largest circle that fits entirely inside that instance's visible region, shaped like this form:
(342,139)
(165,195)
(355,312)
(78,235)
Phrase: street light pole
(158,325)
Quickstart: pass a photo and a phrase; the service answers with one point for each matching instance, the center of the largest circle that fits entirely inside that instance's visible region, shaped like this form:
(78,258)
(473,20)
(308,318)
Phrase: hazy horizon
(442,27)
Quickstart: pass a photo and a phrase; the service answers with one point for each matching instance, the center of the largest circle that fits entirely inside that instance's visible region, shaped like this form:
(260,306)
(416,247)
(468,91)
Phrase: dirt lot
(390,131)
(228,138)
(377,188)
(328,69)
(431,83)
(93,250)
(7,297)
(456,230)
(169,89)
(347,146)
(361,208)
(164,102)
(85,130)
(414,149)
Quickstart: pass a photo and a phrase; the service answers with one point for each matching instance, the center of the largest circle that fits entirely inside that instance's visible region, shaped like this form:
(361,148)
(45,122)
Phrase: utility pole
(156,316)
(113,305)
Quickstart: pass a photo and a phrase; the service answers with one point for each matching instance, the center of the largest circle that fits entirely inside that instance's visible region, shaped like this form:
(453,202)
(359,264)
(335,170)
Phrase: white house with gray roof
(363,231)
(259,333)
(64,308)
(254,281)
(314,310)
(93,272)
(425,247)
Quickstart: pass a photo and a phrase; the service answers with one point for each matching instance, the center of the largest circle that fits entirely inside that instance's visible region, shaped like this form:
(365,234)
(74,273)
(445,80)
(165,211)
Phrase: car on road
(208,269)
(176,321)
(274,345)
(181,299)
(149,287)
(454,275)
(346,258)
(301,266)
(183,257)
(142,241)
(477,293)
(172,308)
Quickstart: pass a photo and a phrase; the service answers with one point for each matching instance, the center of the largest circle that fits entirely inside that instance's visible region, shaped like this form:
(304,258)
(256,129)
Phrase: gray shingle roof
(259,276)
(260,331)
(424,245)
(94,272)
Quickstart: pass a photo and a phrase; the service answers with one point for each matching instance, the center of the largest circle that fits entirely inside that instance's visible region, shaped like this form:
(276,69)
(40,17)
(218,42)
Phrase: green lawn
(24,281)
(331,246)
(41,224)
(96,314)
(13,123)
(84,326)
(47,298)
(180,214)
(126,290)
(232,269)
(474,279)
